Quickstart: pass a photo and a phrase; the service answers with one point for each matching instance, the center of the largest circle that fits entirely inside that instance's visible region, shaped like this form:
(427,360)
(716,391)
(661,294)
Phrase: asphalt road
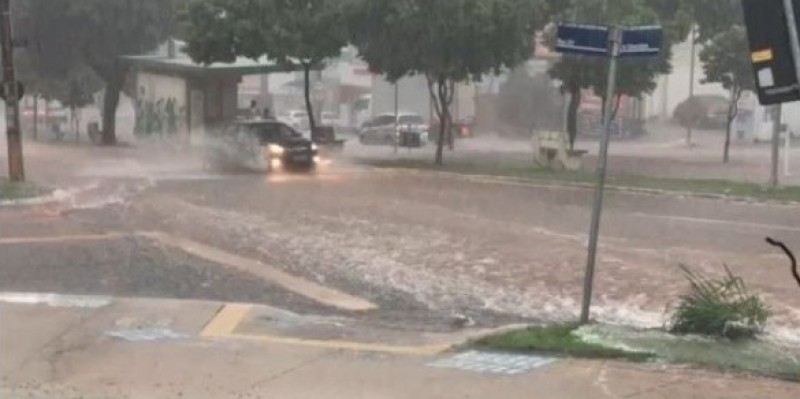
(425,243)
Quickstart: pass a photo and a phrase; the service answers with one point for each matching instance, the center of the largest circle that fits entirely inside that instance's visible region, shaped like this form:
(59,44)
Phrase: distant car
(297,119)
(267,144)
(463,128)
(329,119)
(408,130)
(703,112)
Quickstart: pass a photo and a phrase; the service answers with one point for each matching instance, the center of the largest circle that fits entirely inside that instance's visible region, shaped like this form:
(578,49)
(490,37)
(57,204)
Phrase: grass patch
(600,341)
(750,356)
(14,191)
(524,170)
(557,340)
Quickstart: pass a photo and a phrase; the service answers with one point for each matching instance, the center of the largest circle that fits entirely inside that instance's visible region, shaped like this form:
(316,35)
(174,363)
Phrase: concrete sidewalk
(90,347)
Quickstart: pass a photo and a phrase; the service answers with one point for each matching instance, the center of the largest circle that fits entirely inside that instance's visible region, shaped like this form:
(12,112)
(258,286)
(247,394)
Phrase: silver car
(409,130)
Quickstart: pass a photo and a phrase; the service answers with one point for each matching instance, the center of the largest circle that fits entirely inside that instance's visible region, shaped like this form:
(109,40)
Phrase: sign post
(615,39)
(612,42)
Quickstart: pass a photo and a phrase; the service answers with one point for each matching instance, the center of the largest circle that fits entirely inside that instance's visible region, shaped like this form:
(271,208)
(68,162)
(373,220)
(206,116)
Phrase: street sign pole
(615,39)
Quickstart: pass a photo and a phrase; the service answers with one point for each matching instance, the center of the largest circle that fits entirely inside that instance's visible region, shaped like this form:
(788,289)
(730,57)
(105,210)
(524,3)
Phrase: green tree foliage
(67,38)
(714,16)
(726,60)
(298,34)
(636,76)
(447,41)
(108,29)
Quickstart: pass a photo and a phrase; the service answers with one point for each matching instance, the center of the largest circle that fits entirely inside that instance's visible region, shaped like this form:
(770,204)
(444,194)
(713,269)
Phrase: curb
(535,182)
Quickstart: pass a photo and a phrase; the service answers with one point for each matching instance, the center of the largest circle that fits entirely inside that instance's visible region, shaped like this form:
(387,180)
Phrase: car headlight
(314,147)
(276,149)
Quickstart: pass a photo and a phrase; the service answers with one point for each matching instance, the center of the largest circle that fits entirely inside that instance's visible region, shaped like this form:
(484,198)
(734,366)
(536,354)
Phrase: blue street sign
(583,39)
(637,41)
(641,41)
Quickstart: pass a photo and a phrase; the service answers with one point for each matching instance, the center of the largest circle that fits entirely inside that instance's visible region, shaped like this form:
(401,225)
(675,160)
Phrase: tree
(47,68)
(102,31)
(636,76)
(726,60)
(297,34)
(447,41)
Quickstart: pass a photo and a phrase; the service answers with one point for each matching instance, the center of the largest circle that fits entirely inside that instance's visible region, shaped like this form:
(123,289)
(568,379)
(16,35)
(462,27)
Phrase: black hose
(776,243)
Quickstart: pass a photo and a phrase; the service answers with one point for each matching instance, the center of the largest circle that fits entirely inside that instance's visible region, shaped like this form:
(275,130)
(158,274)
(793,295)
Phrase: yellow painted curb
(224,324)
(226,321)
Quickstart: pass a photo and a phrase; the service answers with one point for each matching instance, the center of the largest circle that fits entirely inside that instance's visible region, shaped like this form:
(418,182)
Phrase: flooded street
(423,246)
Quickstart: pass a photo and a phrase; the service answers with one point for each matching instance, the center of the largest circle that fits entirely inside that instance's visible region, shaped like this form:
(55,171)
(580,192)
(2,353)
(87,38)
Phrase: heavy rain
(368,198)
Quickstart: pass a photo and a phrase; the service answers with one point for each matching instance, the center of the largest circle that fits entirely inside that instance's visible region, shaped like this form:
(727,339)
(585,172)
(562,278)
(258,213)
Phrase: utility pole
(777,116)
(690,125)
(16,170)
(396,115)
(597,211)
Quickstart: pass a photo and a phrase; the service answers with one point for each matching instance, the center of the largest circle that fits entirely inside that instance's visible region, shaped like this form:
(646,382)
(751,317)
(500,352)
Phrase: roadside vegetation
(719,307)
(15,191)
(715,324)
(559,340)
(522,170)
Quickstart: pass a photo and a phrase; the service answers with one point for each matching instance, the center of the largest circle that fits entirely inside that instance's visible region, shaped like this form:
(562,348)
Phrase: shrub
(720,307)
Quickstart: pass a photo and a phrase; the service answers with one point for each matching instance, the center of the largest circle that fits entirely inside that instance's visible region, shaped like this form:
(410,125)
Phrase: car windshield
(405,199)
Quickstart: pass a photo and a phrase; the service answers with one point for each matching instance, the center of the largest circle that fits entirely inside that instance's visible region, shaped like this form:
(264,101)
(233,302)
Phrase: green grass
(15,191)
(522,170)
(558,340)
(600,341)
(750,356)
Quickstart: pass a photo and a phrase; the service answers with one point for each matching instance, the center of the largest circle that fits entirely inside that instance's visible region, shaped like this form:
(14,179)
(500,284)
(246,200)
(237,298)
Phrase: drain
(493,363)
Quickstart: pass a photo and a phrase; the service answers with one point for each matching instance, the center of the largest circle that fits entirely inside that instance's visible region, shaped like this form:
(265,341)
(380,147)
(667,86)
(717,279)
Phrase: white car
(385,130)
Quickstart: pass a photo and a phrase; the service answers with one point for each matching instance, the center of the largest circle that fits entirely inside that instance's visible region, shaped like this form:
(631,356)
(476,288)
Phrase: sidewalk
(94,347)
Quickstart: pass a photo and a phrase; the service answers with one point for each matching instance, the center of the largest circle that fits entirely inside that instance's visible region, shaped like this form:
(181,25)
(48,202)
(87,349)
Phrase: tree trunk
(35,117)
(312,124)
(451,136)
(110,104)
(572,116)
(733,111)
(726,157)
(444,117)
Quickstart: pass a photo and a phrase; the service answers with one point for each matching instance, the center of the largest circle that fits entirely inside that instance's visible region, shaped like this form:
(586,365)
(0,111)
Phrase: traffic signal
(771,52)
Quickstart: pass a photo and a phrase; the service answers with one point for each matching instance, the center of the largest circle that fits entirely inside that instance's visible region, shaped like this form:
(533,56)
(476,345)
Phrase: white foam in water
(55,300)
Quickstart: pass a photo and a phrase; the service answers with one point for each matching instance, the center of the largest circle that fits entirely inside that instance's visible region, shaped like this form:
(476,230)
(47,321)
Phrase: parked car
(297,119)
(703,112)
(463,128)
(408,130)
(329,119)
(263,144)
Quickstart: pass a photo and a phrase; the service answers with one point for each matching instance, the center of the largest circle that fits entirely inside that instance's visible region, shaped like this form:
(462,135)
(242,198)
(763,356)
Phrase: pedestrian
(267,114)
(253,112)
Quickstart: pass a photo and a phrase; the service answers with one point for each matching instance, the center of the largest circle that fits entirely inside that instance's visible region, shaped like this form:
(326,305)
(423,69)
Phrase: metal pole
(690,126)
(602,165)
(787,171)
(396,115)
(776,145)
(16,170)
